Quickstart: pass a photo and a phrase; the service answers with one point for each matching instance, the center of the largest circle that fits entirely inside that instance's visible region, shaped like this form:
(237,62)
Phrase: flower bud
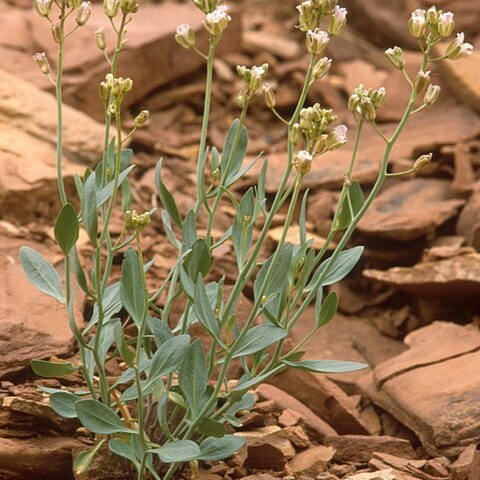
(296,135)
(144,220)
(378,96)
(141,119)
(206,6)
(43,7)
(56,32)
(321,68)
(100,39)
(431,95)
(42,62)
(127,219)
(185,36)
(103,91)
(110,7)
(242,99)
(269,96)
(83,13)
(217,20)
(303,162)
(418,23)
(421,81)
(256,76)
(317,40)
(422,161)
(459,48)
(129,6)
(432,16)
(353,102)
(368,109)
(307,18)
(446,24)
(337,21)
(395,55)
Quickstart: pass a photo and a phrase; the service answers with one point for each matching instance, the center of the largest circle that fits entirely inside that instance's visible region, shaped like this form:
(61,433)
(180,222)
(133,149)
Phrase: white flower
(217,21)
(446,24)
(258,72)
(304,156)
(317,40)
(459,48)
(340,13)
(340,133)
(183,28)
(418,23)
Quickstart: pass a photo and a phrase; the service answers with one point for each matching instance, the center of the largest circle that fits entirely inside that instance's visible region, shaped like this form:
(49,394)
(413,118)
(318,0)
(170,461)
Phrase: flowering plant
(175,402)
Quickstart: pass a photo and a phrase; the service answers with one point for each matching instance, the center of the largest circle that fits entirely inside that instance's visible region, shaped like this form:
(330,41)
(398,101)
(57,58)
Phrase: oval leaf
(63,403)
(41,273)
(213,449)
(98,418)
(178,451)
(131,287)
(66,228)
(259,338)
(46,369)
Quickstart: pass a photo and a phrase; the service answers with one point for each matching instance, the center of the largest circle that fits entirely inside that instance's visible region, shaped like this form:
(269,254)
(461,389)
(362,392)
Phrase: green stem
(59,96)
(206,112)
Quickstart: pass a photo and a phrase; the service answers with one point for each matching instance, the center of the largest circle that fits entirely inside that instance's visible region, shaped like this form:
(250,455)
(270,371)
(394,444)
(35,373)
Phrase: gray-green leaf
(98,418)
(41,273)
(66,228)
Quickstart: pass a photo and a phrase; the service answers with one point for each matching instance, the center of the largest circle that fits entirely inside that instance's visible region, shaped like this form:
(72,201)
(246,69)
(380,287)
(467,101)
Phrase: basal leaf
(178,451)
(46,369)
(213,449)
(98,418)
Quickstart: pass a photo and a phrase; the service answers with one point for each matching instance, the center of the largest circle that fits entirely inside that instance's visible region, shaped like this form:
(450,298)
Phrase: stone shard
(463,76)
(42,458)
(317,428)
(410,209)
(324,398)
(453,279)
(425,391)
(312,461)
(468,224)
(424,133)
(360,448)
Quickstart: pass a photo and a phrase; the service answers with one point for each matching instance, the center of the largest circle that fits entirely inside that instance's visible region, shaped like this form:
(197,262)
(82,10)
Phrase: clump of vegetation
(175,402)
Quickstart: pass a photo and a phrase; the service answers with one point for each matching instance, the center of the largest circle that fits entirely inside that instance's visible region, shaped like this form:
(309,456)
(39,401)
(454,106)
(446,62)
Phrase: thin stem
(58,93)
(377,129)
(206,110)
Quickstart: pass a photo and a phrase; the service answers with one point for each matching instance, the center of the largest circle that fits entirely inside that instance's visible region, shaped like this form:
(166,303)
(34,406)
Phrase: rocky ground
(411,310)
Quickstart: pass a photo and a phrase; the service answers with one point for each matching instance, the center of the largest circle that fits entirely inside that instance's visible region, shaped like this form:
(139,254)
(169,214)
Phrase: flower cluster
(312,12)
(216,21)
(434,25)
(114,88)
(365,102)
(313,130)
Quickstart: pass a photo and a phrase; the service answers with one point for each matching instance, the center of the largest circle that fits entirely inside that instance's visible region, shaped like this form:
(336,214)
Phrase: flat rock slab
(463,76)
(410,209)
(426,132)
(33,325)
(434,387)
(151,58)
(453,279)
(360,448)
(28,183)
(468,224)
(37,458)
